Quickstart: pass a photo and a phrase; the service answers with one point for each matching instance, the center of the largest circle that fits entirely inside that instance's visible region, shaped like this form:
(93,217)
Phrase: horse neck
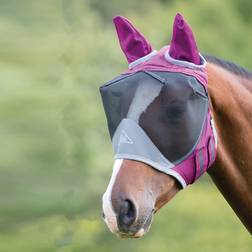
(231,103)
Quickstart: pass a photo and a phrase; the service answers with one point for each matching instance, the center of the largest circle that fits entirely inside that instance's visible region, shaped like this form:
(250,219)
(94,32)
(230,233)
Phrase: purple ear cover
(183,45)
(132,42)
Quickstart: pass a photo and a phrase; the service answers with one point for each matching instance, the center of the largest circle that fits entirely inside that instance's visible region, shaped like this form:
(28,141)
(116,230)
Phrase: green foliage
(56,157)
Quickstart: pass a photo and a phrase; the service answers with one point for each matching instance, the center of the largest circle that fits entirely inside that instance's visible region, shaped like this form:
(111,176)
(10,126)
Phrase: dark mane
(233,68)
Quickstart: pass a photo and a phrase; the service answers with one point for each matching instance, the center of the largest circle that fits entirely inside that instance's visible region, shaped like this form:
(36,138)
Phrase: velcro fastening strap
(211,150)
(201,162)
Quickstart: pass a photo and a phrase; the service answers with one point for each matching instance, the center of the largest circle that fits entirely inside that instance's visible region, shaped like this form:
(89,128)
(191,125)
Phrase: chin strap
(202,158)
(206,154)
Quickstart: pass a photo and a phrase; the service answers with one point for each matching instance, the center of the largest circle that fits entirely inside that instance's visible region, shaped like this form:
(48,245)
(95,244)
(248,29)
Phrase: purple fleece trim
(183,44)
(158,62)
(132,42)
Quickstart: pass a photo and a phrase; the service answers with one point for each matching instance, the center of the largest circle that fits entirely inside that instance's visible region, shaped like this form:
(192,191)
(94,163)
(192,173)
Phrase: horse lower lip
(125,235)
(140,233)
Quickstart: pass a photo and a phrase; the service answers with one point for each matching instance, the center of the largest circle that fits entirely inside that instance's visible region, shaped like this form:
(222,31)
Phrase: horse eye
(174,112)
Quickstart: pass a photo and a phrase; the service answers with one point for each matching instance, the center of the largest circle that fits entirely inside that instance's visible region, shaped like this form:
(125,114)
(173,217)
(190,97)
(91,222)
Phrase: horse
(138,188)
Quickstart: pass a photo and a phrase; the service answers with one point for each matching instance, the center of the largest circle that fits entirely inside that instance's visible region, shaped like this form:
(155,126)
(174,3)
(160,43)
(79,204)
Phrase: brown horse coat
(231,105)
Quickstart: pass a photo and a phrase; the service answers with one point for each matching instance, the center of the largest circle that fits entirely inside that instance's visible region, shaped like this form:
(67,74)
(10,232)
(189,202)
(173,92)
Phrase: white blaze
(110,217)
(144,96)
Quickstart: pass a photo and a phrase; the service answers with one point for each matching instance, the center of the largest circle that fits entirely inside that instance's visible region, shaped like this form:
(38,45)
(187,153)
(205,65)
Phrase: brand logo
(124,138)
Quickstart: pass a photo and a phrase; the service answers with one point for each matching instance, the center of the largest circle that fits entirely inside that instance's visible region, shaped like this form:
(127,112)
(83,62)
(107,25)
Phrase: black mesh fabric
(169,107)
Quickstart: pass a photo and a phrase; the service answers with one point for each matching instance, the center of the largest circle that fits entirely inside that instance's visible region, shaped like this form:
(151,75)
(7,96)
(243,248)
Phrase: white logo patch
(124,138)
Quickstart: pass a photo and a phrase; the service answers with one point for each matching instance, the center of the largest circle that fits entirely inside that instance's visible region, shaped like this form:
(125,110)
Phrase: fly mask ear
(183,45)
(132,42)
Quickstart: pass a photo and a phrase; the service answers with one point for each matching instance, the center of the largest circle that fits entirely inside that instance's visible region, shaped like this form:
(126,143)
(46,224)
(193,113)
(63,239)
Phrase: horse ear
(132,42)
(183,45)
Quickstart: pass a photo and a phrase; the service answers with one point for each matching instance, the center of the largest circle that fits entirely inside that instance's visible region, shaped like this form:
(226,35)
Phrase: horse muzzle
(128,222)
(126,218)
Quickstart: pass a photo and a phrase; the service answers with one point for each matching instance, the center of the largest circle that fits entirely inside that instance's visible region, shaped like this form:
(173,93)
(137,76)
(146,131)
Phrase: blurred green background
(56,157)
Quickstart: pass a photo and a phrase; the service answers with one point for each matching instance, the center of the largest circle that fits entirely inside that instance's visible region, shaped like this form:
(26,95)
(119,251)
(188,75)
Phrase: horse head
(160,126)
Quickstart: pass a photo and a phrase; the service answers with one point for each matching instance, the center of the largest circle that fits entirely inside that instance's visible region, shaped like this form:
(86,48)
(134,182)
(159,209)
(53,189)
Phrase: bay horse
(137,188)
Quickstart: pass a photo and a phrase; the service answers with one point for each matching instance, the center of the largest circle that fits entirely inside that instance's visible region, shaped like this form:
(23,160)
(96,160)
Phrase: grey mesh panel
(169,107)
(131,142)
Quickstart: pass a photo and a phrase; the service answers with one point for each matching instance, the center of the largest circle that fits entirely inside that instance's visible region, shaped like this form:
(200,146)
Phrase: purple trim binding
(159,62)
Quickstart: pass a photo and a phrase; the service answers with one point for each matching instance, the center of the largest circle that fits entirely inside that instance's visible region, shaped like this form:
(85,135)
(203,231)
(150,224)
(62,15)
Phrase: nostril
(127,214)
(128,209)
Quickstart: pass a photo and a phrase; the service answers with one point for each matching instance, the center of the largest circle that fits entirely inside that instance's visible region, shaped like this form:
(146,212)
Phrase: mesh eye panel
(169,107)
